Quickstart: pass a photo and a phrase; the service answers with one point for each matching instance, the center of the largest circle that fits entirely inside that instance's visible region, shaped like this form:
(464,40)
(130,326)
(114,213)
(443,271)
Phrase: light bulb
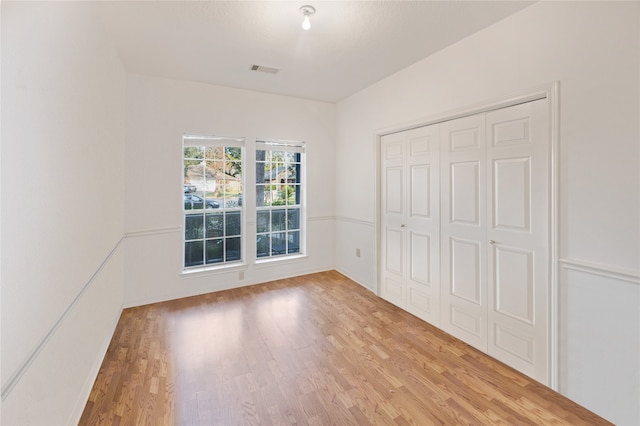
(306,12)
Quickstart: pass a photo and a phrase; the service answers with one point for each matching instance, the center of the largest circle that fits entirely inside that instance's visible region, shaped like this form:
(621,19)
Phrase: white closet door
(466,230)
(410,221)
(393,287)
(518,236)
(463,231)
(423,223)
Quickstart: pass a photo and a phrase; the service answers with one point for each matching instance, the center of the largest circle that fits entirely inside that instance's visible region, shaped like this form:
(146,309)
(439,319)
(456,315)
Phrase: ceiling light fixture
(307,11)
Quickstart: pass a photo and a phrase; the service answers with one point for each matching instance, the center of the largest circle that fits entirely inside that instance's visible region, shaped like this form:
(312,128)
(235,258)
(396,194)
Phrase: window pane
(214,152)
(193,152)
(215,250)
(233,168)
(215,225)
(233,248)
(279,243)
(262,223)
(260,166)
(293,219)
(193,253)
(260,195)
(232,224)
(211,186)
(233,187)
(233,153)
(292,195)
(196,202)
(262,243)
(188,204)
(219,194)
(293,173)
(278,220)
(271,173)
(281,194)
(193,176)
(294,242)
(269,195)
(195,171)
(193,226)
(210,203)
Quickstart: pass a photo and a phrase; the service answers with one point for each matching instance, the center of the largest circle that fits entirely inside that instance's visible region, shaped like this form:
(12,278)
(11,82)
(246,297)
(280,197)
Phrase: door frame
(551,92)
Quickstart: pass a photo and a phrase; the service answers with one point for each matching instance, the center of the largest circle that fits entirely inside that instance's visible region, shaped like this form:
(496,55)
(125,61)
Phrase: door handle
(403,225)
(492,242)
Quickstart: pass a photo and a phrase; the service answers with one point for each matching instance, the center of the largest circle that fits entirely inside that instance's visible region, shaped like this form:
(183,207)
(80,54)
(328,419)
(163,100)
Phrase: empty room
(393,212)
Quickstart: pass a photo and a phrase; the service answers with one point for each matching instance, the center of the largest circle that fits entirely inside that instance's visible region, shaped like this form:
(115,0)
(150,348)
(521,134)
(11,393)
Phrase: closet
(411,221)
(465,230)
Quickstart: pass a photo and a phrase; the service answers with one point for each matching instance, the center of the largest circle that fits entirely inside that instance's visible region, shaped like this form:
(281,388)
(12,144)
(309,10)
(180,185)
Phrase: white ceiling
(351,44)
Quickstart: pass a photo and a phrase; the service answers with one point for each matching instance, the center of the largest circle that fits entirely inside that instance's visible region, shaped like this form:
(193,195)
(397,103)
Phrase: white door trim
(551,92)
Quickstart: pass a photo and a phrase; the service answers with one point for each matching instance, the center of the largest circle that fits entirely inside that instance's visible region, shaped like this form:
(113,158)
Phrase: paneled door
(518,236)
(410,211)
(495,234)
(464,251)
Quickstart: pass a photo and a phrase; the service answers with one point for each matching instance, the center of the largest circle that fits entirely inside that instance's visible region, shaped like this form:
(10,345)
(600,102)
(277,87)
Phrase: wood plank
(316,349)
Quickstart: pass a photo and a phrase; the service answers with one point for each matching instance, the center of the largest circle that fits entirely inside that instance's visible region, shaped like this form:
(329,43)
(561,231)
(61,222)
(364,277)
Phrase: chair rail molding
(600,270)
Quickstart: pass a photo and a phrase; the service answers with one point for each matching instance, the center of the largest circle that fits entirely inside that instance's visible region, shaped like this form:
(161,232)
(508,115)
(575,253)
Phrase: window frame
(225,142)
(297,147)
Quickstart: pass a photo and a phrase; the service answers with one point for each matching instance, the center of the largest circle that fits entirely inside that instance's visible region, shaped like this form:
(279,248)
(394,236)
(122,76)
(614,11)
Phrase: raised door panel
(394,259)
(513,283)
(393,290)
(465,186)
(420,191)
(465,139)
(394,185)
(466,307)
(518,234)
(420,299)
(422,141)
(420,260)
(512,193)
(465,270)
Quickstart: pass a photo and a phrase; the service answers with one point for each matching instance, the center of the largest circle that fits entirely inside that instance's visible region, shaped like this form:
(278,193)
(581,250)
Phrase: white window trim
(210,141)
(248,244)
(287,146)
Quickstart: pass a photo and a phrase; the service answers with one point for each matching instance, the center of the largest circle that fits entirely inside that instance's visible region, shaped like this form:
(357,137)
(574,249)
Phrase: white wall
(63,149)
(592,48)
(63,98)
(159,112)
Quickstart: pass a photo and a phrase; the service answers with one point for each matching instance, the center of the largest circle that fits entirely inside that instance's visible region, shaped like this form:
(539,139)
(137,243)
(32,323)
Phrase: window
(213,222)
(279,198)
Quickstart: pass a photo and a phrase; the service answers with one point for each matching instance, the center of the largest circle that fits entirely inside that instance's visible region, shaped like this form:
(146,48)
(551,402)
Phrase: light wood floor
(317,349)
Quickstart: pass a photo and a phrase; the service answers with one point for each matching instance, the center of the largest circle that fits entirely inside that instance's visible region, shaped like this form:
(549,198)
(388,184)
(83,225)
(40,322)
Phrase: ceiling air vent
(262,68)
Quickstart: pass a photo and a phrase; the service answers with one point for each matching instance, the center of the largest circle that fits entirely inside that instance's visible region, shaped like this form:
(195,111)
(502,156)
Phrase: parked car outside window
(192,201)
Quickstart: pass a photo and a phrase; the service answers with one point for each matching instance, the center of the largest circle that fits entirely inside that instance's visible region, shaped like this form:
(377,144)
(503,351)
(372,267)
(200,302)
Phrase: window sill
(279,260)
(221,269)
(209,270)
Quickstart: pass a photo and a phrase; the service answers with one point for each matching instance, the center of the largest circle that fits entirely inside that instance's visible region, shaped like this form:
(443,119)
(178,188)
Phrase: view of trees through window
(214,223)
(278,201)
(212,204)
